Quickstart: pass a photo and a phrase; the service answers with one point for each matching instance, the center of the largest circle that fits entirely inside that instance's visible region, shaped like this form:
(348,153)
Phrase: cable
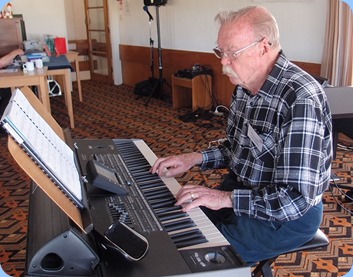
(344,147)
(217,112)
(342,193)
(216,142)
(208,87)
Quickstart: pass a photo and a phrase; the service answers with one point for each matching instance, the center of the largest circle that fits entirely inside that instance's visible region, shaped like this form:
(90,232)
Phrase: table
(72,56)
(340,100)
(201,91)
(38,78)
(57,66)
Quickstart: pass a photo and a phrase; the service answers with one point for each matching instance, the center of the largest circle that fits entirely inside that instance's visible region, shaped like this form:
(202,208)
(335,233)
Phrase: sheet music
(43,141)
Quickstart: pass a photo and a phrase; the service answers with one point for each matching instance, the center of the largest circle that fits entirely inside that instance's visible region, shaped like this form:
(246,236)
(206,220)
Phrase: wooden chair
(264,267)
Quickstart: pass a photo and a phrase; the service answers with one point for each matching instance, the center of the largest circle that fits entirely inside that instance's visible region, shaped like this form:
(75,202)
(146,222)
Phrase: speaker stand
(158,86)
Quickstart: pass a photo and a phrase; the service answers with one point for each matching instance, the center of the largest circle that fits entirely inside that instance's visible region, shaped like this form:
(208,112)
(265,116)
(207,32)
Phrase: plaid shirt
(278,145)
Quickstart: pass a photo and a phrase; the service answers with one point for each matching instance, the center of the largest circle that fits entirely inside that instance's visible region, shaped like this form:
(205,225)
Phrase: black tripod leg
(138,97)
(153,91)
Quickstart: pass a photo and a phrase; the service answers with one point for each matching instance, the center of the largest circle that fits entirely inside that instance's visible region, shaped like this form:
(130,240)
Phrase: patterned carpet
(114,112)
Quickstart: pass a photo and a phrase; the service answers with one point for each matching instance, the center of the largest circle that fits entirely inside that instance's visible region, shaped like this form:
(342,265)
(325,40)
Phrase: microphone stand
(152,51)
(145,8)
(151,80)
(159,84)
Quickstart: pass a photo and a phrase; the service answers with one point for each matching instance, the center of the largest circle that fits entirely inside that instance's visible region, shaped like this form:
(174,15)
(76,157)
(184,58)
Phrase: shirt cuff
(242,202)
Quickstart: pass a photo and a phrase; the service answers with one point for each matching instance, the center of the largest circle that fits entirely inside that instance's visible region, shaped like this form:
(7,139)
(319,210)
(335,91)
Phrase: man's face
(238,48)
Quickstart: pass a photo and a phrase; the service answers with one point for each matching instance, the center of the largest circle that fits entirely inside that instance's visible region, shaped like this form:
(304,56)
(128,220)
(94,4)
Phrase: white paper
(51,149)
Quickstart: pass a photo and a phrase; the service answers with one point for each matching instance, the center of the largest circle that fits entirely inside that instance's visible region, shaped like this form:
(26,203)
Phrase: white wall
(184,24)
(42,17)
(115,39)
(75,18)
(189,24)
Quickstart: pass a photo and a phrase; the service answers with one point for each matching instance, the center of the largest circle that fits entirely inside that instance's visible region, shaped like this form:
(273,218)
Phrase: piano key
(158,196)
(167,209)
(213,235)
(179,225)
(193,242)
(186,235)
(156,191)
(137,158)
(170,216)
(163,204)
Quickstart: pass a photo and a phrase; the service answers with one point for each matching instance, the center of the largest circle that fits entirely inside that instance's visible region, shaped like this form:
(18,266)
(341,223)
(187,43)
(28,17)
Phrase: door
(99,43)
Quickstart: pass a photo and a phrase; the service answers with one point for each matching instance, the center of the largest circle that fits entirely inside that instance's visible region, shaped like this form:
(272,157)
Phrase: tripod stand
(158,86)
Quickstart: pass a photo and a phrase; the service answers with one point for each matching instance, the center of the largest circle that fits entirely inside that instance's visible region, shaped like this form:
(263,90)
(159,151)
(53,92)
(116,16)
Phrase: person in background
(278,147)
(5,93)
(8,59)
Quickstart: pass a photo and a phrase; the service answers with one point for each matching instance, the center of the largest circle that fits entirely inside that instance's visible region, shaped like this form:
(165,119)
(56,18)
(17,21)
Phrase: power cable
(343,194)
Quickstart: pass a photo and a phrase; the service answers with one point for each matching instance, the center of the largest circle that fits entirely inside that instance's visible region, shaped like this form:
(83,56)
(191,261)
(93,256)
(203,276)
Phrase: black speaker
(155,2)
(67,254)
(144,88)
(55,246)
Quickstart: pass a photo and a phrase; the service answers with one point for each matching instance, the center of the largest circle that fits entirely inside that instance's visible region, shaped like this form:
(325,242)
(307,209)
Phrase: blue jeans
(255,240)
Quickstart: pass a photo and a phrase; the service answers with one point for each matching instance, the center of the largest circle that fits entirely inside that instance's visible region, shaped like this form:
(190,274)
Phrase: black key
(191,243)
(172,216)
(167,209)
(178,225)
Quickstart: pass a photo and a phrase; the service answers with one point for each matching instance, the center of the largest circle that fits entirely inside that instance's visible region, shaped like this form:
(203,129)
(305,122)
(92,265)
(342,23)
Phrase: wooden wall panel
(312,68)
(136,67)
(12,35)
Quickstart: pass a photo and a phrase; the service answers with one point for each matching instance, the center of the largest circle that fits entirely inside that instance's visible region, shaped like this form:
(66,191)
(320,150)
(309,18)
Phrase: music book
(54,157)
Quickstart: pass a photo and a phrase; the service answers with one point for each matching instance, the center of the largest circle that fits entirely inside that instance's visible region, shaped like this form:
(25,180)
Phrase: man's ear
(265,46)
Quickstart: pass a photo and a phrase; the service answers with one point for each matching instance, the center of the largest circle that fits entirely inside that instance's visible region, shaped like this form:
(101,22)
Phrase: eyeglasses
(231,54)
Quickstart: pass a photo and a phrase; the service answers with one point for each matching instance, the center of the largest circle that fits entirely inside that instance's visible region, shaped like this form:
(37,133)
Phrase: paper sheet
(41,138)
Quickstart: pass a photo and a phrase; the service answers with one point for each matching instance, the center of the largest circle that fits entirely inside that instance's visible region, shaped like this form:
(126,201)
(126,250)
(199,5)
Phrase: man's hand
(191,196)
(175,165)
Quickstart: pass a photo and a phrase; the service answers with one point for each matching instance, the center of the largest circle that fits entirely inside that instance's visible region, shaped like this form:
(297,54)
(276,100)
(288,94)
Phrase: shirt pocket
(268,151)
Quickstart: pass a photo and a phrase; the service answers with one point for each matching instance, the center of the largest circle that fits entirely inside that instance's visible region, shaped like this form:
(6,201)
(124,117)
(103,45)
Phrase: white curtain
(337,62)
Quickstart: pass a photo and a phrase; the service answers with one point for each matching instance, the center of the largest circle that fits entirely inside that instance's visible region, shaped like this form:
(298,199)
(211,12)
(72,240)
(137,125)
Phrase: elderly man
(278,148)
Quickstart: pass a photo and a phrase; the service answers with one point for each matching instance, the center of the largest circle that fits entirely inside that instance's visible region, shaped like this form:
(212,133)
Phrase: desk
(72,56)
(201,91)
(38,77)
(340,100)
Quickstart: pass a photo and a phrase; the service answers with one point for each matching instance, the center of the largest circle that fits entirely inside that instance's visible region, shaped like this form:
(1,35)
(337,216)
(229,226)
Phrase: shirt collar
(273,79)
